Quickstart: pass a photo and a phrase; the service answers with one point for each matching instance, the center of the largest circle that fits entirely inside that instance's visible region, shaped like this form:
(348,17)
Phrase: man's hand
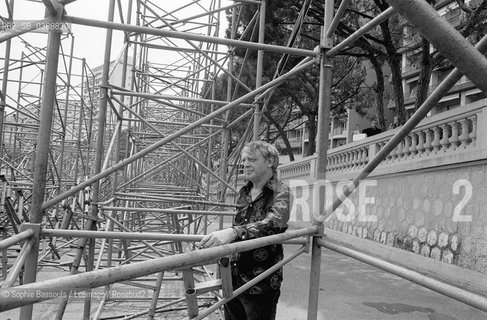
(217,238)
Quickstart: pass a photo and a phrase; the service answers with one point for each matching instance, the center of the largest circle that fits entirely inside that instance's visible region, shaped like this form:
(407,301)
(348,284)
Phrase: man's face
(255,166)
(374,123)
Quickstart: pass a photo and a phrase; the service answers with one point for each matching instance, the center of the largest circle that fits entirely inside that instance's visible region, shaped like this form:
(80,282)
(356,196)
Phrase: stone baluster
(330,163)
(464,135)
(399,150)
(420,146)
(445,140)
(345,161)
(428,147)
(454,140)
(349,160)
(405,149)
(473,133)
(436,139)
(414,144)
(360,160)
(353,159)
(341,161)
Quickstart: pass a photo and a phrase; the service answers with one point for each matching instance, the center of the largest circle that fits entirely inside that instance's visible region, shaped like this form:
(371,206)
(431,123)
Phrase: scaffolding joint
(35,227)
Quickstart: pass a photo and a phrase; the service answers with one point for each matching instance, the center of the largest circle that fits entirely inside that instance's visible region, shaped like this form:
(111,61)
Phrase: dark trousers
(252,307)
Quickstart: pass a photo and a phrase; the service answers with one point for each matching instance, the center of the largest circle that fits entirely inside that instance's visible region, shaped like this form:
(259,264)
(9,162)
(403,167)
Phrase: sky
(89,42)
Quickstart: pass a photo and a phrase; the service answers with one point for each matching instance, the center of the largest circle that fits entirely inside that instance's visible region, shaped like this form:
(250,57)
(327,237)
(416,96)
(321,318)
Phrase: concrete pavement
(351,290)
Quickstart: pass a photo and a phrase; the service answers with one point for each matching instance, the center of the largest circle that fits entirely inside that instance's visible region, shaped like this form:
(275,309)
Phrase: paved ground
(351,290)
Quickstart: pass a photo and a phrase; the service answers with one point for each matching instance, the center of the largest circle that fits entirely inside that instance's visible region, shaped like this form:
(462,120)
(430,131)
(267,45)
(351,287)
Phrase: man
(263,206)
(373,130)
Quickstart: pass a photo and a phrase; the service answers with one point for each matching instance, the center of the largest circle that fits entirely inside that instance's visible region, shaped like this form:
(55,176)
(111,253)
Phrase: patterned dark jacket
(268,214)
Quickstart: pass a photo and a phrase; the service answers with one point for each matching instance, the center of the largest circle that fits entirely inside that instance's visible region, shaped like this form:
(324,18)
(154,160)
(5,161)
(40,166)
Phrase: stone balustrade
(453,136)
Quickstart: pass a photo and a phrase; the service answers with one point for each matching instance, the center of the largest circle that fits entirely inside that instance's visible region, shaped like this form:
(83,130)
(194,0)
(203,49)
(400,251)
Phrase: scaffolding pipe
(187,36)
(251,283)
(175,145)
(336,19)
(360,32)
(160,210)
(474,300)
(19,237)
(324,107)
(145,198)
(173,136)
(42,155)
(156,97)
(123,227)
(153,305)
(259,71)
(3,92)
(45,290)
(159,166)
(18,264)
(209,58)
(121,235)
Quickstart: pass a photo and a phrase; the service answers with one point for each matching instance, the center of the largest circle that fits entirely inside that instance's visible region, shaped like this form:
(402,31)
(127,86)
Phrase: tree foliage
(367,74)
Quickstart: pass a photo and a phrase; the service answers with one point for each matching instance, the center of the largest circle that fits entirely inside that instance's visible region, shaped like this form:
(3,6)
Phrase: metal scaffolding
(109,175)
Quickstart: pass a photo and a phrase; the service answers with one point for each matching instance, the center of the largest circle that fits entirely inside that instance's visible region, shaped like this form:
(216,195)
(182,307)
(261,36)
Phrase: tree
(298,98)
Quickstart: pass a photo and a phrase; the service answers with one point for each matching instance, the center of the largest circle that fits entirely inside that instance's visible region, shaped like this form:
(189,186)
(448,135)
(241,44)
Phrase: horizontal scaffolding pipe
(454,292)
(179,49)
(131,197)
(189,36)
(120,235)
(157,236)
(202,212)
(177,98)
(172,123)
(24,235)
(44,290)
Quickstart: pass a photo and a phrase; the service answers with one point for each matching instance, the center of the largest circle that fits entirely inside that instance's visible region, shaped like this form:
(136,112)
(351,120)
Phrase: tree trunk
(424,75)
(394,59)
(379,92)
(312,134)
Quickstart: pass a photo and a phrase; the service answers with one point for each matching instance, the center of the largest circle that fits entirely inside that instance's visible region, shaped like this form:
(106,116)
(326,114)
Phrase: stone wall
(428,196)
(430,212)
